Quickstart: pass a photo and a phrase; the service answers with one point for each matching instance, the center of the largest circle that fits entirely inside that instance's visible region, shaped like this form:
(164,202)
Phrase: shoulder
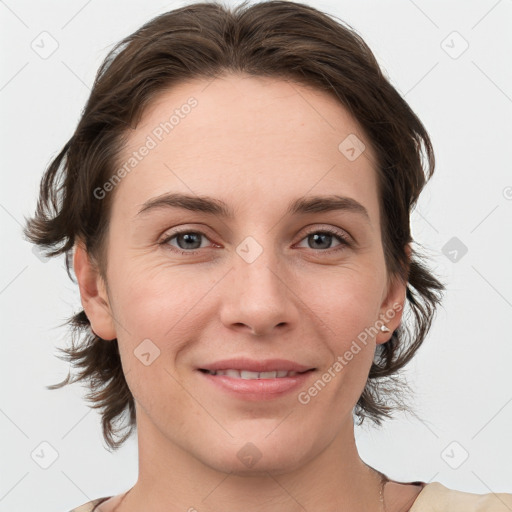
(435,497)
(90,505)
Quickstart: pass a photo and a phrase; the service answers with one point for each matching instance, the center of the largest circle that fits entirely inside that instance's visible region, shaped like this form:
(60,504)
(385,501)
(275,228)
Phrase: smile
(248,375)
(254,386)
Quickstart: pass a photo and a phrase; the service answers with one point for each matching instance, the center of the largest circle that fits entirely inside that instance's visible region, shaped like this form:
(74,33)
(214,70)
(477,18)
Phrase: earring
(383,328)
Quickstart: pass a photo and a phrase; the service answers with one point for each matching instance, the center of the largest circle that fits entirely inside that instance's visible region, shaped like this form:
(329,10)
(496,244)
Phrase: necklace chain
(383,481)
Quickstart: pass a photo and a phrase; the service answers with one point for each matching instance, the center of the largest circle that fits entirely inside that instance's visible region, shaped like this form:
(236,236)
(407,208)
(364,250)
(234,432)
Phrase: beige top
(434,497)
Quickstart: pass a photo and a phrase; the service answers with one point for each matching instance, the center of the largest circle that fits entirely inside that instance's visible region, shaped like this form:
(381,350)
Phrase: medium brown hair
(281,39)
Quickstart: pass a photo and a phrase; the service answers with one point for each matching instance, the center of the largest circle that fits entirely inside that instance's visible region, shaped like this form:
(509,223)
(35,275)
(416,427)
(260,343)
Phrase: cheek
(161,313)
(156,301)
(348,309)
(347,303)
(157,314)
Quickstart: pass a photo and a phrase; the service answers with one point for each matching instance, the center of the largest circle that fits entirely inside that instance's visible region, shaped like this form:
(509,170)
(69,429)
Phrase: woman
(267,138)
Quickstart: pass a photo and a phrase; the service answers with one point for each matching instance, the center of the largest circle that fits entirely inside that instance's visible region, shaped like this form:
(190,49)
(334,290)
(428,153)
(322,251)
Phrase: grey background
(460,432)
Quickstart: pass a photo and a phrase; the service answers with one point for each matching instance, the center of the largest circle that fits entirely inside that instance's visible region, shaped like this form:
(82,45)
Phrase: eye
(187,241)
(322,239)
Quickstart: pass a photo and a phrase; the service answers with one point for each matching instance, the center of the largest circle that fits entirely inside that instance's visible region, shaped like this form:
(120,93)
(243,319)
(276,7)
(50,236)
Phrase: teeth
(247,375)
(268,375)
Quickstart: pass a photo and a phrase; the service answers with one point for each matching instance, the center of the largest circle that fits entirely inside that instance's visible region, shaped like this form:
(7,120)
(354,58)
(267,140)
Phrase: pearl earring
(383,328)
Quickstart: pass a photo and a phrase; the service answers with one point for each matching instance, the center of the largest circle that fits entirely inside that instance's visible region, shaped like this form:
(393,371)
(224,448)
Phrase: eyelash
(329,231)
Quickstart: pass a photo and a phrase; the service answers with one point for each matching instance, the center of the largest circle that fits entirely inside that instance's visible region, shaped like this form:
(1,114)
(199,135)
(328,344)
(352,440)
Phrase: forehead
(245,139)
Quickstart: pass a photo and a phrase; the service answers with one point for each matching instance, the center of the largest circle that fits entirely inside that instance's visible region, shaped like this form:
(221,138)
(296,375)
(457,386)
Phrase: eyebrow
(212,206)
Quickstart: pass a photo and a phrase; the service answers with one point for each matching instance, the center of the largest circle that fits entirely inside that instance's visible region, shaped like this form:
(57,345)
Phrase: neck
(171,479)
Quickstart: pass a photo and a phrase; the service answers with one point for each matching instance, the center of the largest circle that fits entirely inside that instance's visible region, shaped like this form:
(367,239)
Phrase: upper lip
(252,365)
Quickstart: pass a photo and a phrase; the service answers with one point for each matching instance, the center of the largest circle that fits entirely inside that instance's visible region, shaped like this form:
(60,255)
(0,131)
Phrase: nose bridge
(259,296)
(258,271)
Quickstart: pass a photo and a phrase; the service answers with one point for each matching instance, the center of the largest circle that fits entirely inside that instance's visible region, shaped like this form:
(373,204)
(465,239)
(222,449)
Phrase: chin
(259,453)
(260,465)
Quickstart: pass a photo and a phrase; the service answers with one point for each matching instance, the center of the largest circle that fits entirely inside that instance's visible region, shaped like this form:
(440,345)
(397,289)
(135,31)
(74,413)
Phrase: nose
(258,297)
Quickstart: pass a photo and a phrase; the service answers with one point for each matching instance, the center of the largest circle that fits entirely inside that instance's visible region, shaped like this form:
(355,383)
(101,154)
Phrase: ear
(93,294)
(392,307)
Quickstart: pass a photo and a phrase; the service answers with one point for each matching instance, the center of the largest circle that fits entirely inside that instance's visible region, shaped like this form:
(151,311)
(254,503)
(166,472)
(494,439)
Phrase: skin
(257,144)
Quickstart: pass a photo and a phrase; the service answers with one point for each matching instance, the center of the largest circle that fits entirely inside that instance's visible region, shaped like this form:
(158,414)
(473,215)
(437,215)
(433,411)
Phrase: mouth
(251,380)
(249,375)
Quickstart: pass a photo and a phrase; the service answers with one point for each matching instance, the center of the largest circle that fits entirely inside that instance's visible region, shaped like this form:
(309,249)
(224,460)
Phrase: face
(260,281)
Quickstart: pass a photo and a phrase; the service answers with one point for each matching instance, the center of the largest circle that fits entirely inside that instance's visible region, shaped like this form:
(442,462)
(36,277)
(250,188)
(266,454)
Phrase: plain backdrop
(451,62)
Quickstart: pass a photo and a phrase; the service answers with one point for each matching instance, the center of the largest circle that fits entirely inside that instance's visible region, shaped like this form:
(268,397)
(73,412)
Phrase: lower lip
(258,389)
